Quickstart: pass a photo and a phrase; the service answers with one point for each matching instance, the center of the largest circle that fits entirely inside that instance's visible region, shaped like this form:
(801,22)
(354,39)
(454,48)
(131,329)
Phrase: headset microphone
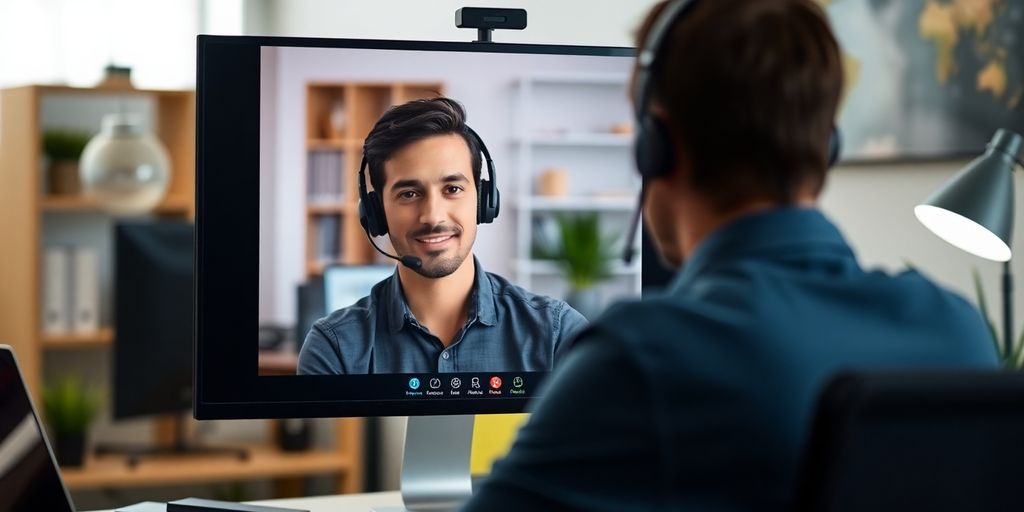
(409,261)
(627,251)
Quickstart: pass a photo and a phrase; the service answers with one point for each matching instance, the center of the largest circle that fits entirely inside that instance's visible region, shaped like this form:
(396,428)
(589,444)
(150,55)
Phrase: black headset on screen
(375,223)
(652,146)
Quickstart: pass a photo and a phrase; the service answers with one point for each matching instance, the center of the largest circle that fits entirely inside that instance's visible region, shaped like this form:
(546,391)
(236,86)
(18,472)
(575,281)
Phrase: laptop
(28,471)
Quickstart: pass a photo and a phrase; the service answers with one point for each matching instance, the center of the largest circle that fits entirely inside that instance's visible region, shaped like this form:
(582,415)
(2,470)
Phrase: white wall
(591,22)
(873,206)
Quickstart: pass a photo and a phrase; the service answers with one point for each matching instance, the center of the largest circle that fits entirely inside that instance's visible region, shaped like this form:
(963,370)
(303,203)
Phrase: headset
(652,146)
(375,223)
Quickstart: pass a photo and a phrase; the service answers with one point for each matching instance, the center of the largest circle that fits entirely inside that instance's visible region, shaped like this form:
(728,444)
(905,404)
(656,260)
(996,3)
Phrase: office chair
(916,441)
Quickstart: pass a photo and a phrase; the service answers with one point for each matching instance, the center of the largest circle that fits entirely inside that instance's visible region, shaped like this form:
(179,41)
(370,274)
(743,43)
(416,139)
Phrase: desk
(339,503)
(263,462)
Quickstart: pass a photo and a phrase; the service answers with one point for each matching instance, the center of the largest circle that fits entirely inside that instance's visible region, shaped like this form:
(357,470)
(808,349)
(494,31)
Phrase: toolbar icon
(456,383)
(495,382)
(414,383)
(435,383)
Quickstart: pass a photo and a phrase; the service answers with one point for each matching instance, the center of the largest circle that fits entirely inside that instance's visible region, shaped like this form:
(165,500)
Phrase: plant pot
(64,178)
(70,449)
(553,182)
(295,435)
(587,301)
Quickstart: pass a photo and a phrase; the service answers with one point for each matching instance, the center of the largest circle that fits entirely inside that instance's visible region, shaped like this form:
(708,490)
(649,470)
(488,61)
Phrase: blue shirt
(701,398)
(507,329)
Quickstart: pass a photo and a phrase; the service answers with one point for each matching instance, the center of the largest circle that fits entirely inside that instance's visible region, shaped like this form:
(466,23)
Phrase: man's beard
(441,268)
(435,269)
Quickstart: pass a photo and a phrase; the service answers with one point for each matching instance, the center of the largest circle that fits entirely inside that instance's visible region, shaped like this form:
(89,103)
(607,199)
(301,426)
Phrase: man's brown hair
(751,88)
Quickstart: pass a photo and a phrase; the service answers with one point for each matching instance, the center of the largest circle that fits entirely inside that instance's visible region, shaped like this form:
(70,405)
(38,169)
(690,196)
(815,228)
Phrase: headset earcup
(835,146)
(485,214)
(653,148)
(371,215)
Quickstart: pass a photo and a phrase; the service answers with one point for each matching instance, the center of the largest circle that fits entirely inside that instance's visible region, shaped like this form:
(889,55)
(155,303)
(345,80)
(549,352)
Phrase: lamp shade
(974,210)
(125,168)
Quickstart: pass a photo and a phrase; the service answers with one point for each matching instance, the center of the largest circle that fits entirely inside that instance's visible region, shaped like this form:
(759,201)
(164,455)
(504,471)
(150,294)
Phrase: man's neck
(700,220)
(440,304)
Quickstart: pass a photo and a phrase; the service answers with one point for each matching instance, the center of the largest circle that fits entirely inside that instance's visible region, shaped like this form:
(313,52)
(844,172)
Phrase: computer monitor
(346,284)
(281,123)
(153,317)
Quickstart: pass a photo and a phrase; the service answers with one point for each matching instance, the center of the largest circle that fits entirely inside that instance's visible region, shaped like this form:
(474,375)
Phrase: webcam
(486,19)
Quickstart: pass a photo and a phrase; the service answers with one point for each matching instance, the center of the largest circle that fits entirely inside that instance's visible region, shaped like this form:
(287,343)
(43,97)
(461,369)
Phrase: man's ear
(682,167)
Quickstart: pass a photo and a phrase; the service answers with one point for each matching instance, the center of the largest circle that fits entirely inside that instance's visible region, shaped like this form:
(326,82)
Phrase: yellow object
(492,437)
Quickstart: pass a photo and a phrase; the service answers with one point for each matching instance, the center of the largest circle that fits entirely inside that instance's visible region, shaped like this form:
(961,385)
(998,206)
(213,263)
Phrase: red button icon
(495,382)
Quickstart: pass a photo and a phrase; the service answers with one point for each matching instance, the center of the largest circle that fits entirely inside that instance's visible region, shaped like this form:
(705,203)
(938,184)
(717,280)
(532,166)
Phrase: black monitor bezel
(226,279)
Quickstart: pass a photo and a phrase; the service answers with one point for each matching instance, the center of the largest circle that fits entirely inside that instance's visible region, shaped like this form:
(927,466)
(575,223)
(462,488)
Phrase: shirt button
(444,354)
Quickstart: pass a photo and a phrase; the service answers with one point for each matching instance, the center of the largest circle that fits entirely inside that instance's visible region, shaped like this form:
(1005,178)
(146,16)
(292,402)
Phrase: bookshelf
(33,219)
(33,216)
(557,129)
(339,115)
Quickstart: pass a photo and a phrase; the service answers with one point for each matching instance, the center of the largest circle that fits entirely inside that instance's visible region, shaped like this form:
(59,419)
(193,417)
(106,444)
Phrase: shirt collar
(481,300)
(786,231)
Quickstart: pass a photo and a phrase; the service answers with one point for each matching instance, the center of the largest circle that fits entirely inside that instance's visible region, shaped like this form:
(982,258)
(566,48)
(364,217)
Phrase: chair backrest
(916,441)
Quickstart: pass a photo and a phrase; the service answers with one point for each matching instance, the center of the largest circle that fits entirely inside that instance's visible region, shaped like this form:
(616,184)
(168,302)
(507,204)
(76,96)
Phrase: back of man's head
(750,89)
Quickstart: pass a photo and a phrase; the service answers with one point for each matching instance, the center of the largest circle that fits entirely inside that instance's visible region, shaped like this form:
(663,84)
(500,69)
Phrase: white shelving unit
(566,121)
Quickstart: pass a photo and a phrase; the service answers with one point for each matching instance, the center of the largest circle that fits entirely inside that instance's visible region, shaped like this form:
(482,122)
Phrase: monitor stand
(435,467)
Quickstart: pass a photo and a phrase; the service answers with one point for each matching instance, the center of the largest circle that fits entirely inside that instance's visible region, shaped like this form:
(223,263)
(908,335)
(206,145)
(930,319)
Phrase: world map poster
(928,78)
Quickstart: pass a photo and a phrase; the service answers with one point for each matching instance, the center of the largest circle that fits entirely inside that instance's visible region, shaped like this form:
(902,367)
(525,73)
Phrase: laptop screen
(28,473)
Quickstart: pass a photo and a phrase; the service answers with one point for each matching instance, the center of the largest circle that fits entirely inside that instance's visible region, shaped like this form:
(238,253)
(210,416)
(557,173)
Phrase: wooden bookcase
(28,213)
(339,116)
(27,208)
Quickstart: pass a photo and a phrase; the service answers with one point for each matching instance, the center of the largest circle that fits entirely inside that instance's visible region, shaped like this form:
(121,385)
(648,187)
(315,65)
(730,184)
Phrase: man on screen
(440,311)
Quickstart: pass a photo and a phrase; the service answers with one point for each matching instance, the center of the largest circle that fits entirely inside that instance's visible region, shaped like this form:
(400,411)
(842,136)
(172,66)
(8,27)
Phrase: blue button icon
(414,383)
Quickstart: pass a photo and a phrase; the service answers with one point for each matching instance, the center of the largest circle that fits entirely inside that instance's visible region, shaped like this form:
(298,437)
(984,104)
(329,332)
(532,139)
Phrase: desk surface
(339,503)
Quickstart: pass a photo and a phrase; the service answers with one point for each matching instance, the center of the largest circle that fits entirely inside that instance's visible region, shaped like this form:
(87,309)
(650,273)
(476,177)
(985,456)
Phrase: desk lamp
(974,212)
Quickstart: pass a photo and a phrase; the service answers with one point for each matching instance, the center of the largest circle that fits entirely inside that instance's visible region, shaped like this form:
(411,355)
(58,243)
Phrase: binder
(85,303)
(56,281)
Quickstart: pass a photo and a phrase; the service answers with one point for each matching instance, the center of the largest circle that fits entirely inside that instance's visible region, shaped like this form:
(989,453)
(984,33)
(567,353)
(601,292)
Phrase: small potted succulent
(69,409)
(62,148)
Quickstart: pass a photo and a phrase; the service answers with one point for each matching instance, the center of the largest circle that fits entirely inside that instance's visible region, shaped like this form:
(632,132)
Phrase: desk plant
(69,409)
(585,256)
(1012,360)
(63,147)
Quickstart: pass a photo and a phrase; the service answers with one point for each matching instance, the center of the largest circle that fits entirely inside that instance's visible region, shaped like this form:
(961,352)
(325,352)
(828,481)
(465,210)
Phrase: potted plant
(62,148)
(585,255)
(69,409)
(1013,360)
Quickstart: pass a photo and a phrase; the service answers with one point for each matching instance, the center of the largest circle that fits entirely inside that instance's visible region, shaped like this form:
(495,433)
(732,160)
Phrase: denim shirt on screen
(507,329)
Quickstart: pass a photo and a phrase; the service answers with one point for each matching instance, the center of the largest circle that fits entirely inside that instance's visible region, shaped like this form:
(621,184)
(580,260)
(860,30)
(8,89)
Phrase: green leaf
(1015,361)
(979,291)
(69,406)
(583,252)
(65,144)
(909,264)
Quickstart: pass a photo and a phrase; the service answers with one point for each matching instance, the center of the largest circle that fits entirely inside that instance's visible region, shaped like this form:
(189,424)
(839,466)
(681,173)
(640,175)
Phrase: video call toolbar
(466,385)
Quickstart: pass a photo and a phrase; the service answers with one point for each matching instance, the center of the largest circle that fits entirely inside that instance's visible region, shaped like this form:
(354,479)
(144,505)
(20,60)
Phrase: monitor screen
(344,285)
(152,317)
(281,128)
